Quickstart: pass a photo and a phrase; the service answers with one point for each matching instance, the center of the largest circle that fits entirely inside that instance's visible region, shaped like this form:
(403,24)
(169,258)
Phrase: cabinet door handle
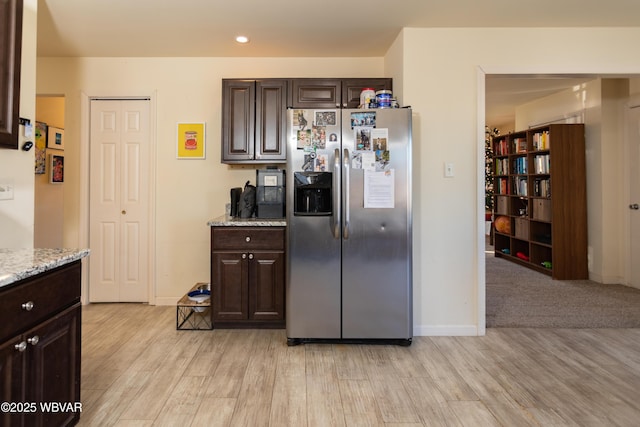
(33,340)
(250,256)
(21,347)
(244,256)
(247,239)
(634,206)
(28,306)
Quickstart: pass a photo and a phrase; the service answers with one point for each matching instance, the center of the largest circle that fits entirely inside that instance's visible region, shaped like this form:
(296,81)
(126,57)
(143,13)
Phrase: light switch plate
(6,192)
(448,170)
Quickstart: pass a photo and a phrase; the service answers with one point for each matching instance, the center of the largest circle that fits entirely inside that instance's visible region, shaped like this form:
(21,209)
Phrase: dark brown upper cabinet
(254,120)
(10,58)
(333,93)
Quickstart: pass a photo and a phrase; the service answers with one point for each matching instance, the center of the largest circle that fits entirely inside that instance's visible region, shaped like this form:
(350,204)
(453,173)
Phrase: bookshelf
(540,200)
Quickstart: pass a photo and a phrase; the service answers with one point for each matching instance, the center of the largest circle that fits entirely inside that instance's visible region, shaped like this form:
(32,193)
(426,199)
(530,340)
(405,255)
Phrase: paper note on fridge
(368,160)
(379,189)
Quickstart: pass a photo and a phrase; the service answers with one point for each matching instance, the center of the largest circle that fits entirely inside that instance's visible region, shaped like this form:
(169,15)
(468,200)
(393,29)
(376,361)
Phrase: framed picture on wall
(190,142)
(56,168)
(55,138)
(41,147)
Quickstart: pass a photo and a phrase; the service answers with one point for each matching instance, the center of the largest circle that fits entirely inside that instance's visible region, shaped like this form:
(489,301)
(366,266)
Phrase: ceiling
(288,28)
(505,92)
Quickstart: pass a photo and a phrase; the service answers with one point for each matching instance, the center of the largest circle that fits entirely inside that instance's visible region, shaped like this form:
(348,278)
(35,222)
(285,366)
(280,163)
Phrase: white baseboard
(418,331)
(167,300)
(445,331)
(606,280)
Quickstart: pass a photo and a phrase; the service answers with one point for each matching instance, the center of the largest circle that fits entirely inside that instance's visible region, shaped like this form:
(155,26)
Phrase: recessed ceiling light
(242,39)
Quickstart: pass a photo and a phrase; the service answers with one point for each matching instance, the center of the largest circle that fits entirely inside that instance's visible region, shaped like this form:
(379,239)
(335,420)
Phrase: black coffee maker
(270,195)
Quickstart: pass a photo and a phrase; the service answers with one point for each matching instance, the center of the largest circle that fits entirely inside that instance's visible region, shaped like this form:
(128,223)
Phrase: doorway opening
(49,158)
(604,122)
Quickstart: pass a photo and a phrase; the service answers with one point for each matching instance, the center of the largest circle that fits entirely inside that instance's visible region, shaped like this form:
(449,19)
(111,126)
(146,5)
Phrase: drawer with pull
(247,238)
(31,300)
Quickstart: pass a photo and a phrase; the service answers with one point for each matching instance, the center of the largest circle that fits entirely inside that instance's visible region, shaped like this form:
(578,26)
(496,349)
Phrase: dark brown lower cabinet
(247,277)
(40,366)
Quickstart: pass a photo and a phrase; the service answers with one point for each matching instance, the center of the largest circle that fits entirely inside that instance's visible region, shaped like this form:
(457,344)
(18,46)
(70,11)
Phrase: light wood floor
(139,371)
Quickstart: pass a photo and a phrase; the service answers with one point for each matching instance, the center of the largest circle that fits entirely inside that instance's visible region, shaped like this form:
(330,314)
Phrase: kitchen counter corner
(227,221)
(18,264)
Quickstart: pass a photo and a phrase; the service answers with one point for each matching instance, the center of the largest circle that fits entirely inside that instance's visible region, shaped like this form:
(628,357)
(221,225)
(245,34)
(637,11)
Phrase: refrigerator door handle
(347,184)
(336,195)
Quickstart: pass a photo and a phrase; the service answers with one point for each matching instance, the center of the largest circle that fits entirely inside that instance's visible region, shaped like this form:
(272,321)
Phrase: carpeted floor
(520,297)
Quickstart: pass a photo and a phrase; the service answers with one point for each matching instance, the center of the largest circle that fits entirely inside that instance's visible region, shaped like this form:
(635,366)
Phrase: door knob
(634,206)
(244,256)
(250,256)
(124,212)
(33,340)
(28,306)
(21,347)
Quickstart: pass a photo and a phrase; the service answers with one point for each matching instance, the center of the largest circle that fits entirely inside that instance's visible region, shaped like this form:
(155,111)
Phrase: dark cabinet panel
(10,57)
(254,120)
(333,93)
(12,380)
(238,119)
(247,238)
(229,284)
(315,93)
(271,120)
(266,300)
(54,375)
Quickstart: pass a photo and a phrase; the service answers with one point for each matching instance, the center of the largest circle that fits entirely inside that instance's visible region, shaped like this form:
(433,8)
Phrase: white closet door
(119,201)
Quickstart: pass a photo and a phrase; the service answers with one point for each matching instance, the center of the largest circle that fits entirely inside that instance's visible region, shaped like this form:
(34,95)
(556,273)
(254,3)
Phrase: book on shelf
(502,166)
(502,185)
(542,187)
(541,164)
(501,147)
(541,140)
(520,186)
(520,145)
(520,165)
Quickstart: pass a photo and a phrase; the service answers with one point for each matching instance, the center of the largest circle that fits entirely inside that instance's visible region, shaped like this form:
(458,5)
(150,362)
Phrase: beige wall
(613,197)
(17,166)
(444,82)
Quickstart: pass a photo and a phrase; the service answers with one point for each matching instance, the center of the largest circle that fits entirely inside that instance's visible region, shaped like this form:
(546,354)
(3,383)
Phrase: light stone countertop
(18,264)
(227,221)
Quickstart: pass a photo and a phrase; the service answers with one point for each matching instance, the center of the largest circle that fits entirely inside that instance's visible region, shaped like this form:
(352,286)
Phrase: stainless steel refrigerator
(349,272)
